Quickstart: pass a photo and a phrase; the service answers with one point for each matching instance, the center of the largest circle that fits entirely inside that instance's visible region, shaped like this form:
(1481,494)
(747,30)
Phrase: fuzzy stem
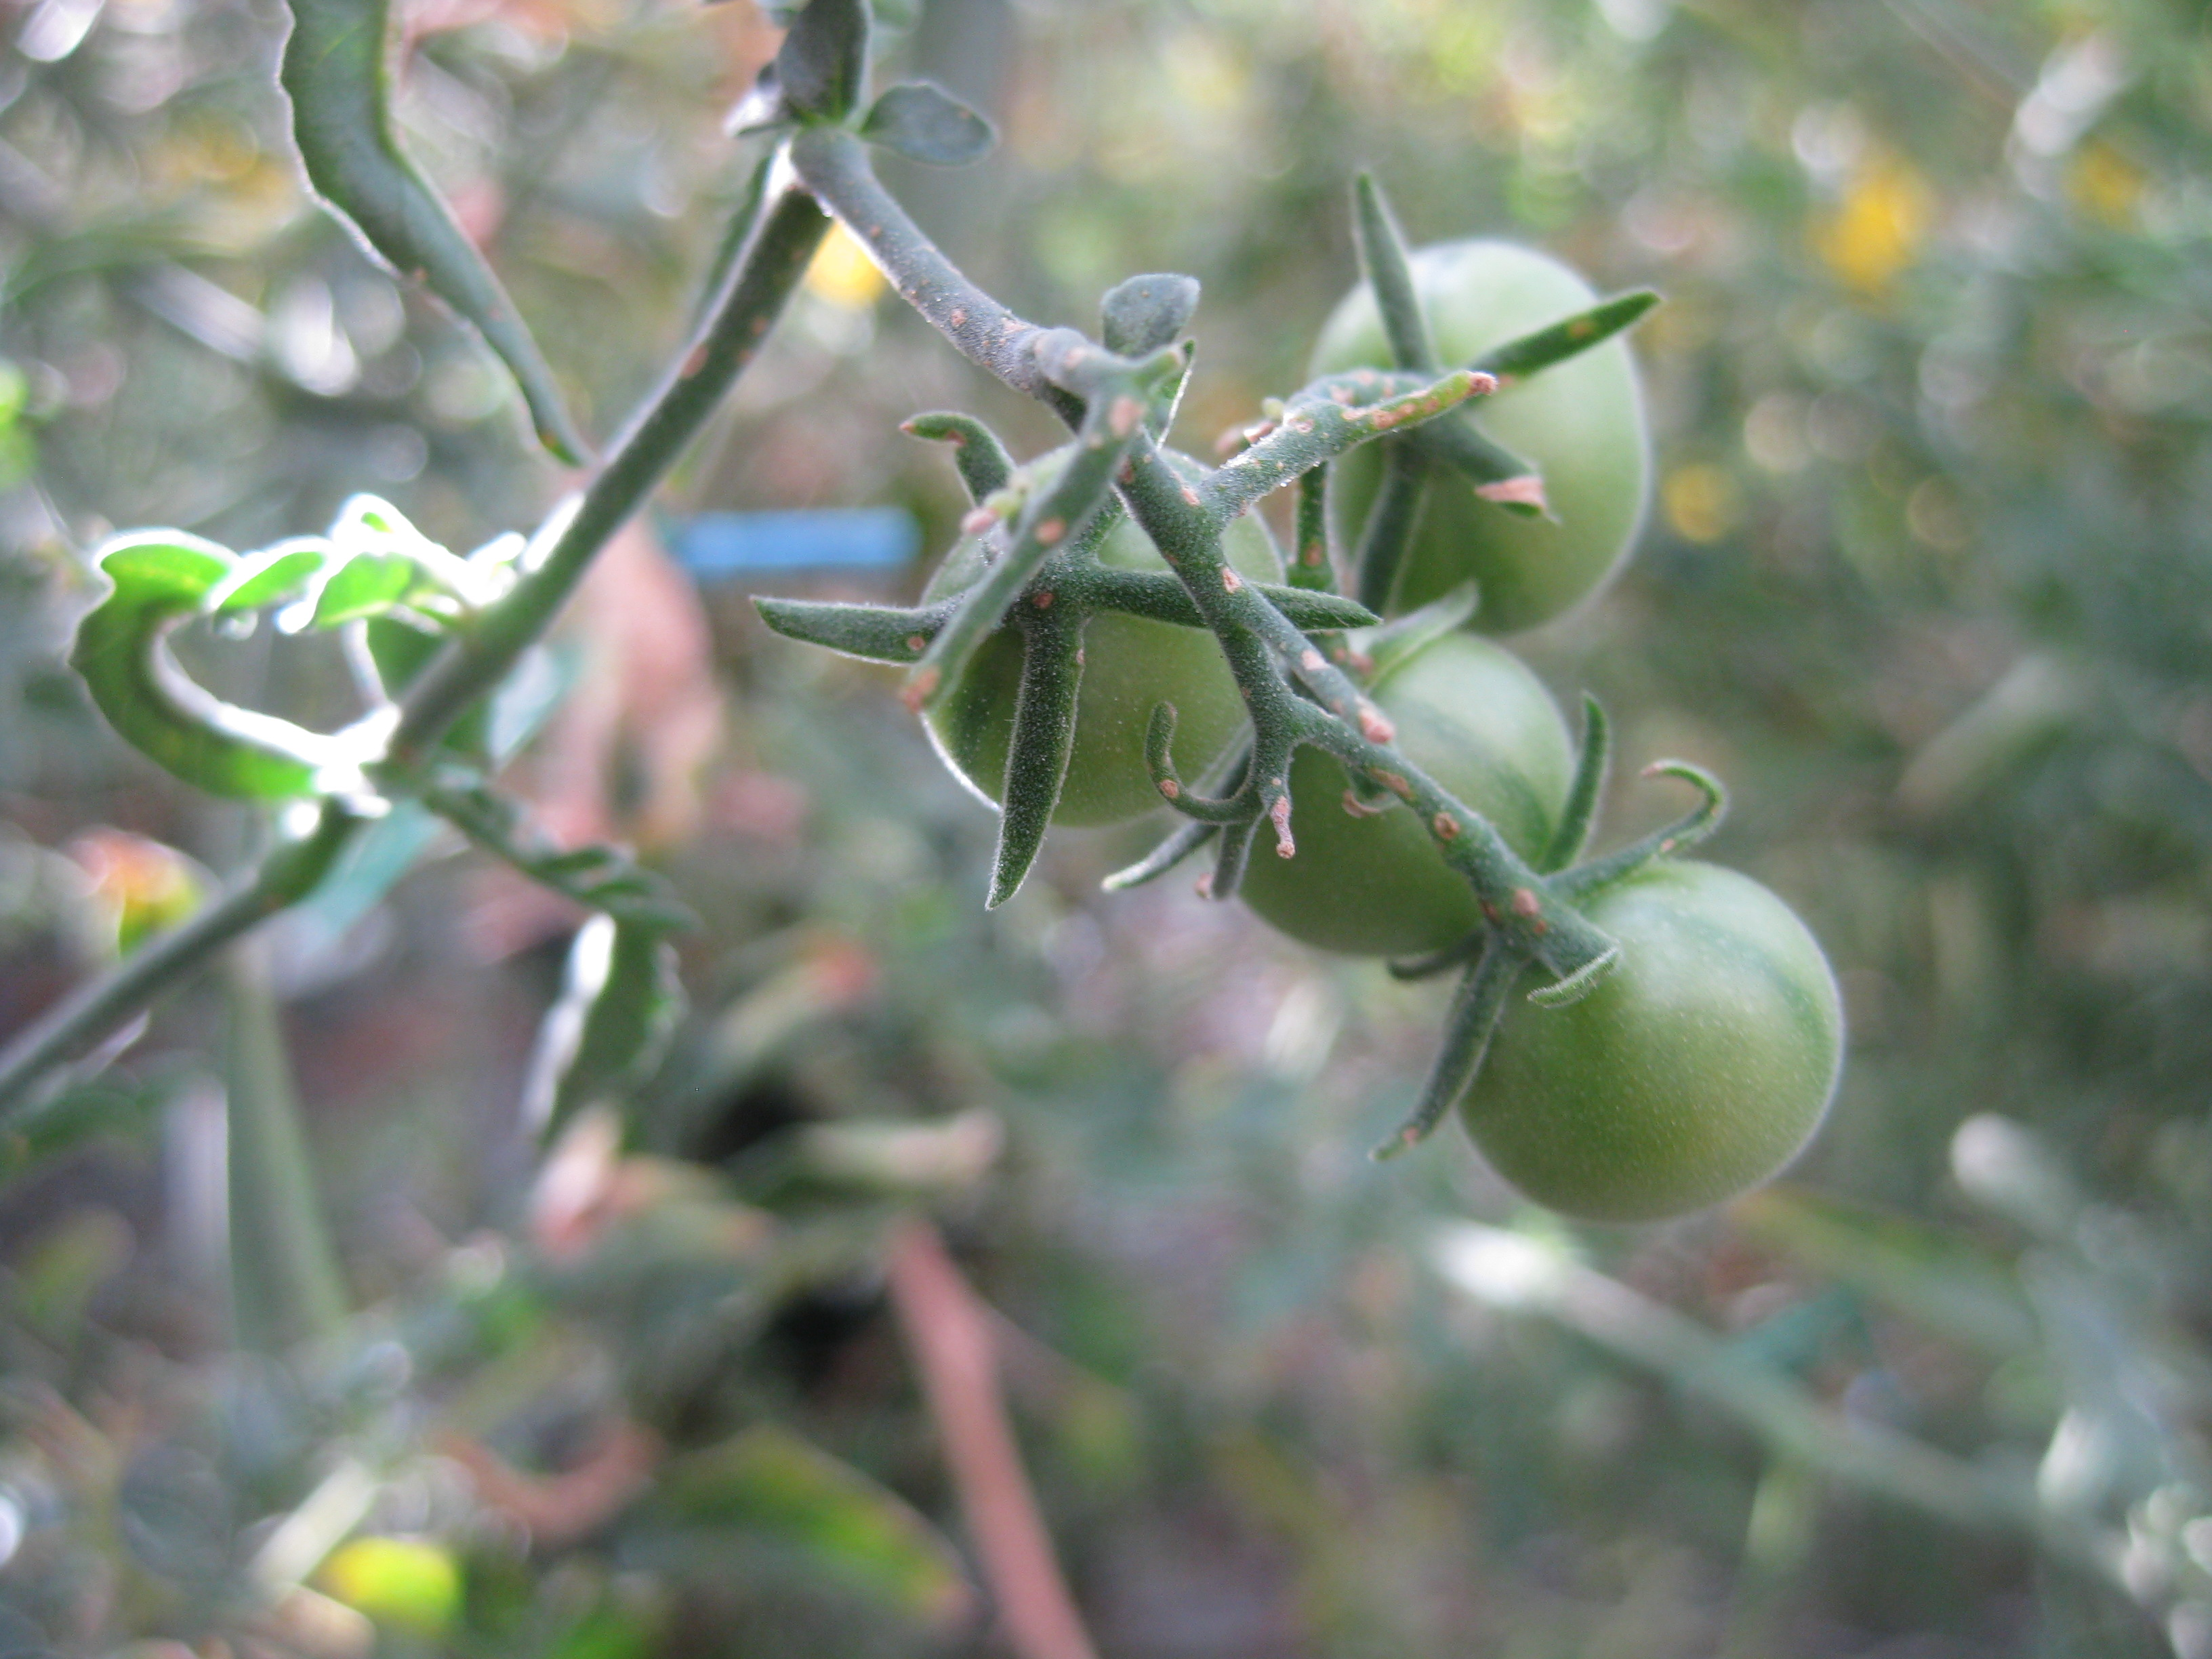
(757,286)
(1311,565)
(1185,527)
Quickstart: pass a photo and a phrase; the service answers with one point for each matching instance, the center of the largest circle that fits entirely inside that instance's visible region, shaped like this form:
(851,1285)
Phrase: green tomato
(1471,716)
(1580,423)
(1129,664)
(1699,1068)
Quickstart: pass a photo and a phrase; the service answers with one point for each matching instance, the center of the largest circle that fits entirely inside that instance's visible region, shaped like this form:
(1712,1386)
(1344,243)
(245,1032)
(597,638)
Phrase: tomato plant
(1470,713)
(1580,424)
(1129,664)
(1699,1068)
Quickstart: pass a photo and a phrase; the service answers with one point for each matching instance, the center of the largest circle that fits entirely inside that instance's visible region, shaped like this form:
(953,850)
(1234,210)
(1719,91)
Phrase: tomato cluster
(1706,1060)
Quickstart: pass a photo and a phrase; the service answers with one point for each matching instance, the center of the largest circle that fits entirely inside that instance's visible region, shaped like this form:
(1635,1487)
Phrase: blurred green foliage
(1928,583)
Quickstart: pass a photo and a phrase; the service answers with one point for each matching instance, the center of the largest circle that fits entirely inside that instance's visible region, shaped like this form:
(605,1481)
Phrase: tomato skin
(1472,715)
(1129,664)
(1580,423)
(1699,1068)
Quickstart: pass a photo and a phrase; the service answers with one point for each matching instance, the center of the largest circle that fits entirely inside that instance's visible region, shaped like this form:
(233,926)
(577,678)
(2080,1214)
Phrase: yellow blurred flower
(2105,185)
(842,273)
(1876,230)
(1700,501)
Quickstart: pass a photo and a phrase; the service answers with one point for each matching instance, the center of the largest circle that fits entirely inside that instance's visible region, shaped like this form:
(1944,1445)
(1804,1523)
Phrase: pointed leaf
(1476,1008)
(1390,273)
(1036,753)
(1520,357)
(334,72)
(1580,813)
(925,123)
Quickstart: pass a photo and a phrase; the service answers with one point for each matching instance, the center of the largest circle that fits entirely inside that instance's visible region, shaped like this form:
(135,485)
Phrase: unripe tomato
(1580,423)
(1699,1068)
(1129,664)
(1471,716)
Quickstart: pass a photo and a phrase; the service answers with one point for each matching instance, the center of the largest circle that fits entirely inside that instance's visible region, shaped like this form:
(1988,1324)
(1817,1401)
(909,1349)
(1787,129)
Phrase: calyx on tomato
(1129,665)
(1579,422)
(1700,1066)
(1473,717)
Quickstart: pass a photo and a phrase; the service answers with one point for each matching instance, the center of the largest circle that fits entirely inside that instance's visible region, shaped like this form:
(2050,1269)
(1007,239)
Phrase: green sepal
(335,72)
(1392,522)
(1186,840)
(1457,954)
(1159,761)
(873,633)
(1499,477)
(1140,314)
(985,466)
(1055,515)
(1573,987)
(925,123)
(1334,414)
(1231,858)
(1579,815)
(1401,637)
(1042,739)
(824,61)
(1390,273)
(1160,596)
(160,578)
(1476,1008)
(1684,833)
(1520,357)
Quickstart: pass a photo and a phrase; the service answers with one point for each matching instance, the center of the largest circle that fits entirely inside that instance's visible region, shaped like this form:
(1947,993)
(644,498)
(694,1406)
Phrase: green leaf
(270,577)
(366,585)
(160,578)
(1143,314)
(334,72)
(768,1480)
(824,62)
(613,1020)
(925,123)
